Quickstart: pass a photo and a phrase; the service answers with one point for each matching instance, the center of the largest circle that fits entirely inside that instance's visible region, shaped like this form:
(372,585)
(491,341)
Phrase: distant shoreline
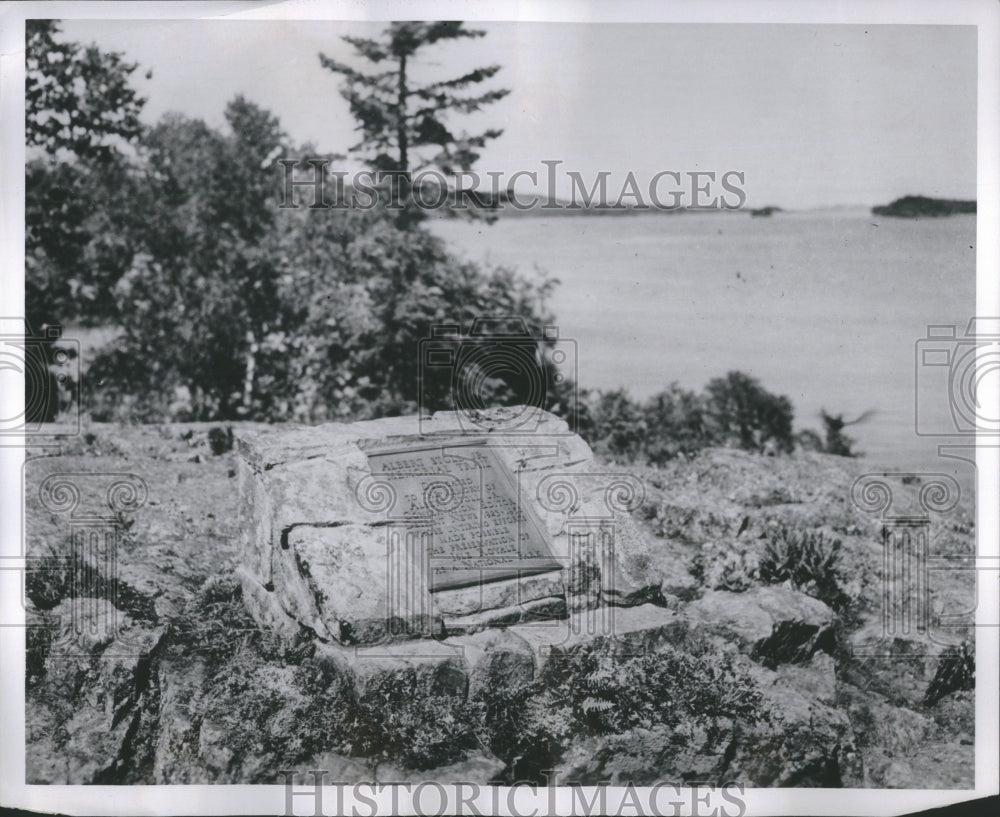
(912,207)
(924,206)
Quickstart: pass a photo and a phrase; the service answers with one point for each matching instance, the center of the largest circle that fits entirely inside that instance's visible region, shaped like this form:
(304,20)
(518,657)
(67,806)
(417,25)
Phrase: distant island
(764,211)
(917,206)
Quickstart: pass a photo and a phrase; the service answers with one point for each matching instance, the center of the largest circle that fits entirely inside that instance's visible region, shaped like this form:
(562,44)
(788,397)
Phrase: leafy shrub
(734,411)
(836,442)
(618,426)
(677,425)
(255,713)
(744,414)
(612,694)
(399,721)
(808,560)
(402,720)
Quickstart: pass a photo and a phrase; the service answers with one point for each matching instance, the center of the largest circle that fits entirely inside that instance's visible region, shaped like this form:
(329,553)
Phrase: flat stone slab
(500,594)
(543,609)
(630,629)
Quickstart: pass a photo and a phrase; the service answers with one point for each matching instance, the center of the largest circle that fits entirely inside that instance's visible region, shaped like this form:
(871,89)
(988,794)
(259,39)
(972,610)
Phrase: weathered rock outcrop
(772,624)
(95,718)
(204,693)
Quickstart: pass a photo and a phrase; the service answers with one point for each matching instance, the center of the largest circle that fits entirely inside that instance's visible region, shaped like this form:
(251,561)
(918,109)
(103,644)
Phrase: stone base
(508,655)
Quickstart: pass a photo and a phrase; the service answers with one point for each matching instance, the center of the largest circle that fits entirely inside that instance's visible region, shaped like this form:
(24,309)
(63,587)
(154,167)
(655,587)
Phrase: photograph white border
(212,799)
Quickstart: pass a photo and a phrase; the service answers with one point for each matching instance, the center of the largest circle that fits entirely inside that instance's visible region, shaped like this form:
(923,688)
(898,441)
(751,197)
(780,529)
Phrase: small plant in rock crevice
(720,566)
(956,671)
(808,560)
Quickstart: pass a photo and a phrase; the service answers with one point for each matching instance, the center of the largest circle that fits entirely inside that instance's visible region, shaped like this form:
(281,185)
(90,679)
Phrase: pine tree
(398,119)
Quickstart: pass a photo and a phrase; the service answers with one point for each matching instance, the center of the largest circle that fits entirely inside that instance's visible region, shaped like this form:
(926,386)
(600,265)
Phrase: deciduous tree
(78,99)
(81,122)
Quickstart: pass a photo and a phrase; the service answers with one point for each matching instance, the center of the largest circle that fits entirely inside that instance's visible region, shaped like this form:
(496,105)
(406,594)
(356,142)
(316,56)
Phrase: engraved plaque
(465,498)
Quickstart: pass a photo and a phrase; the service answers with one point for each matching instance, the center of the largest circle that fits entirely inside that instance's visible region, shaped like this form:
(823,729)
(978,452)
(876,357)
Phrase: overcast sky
(813,115)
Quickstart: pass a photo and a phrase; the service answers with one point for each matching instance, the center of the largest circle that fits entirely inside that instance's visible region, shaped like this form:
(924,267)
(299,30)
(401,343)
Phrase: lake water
(824,307)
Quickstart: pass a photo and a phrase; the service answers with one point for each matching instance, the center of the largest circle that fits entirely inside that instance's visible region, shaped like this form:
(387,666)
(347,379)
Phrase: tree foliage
(396,116)
(82,119)
(236,308)
(746,415)
(81,113)
(79,238)
(78,99)
(677,423)
(228,305)
(735,410)
(201,293)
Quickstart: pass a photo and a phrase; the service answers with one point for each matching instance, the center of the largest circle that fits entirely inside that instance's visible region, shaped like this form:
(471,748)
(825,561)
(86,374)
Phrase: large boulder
(328,526)
(772,624)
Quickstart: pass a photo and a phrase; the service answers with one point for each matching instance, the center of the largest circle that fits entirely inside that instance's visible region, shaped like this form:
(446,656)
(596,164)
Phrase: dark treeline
(734,411)
(925,207)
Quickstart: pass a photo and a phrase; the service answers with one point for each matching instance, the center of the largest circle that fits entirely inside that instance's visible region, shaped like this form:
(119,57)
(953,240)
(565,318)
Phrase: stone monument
(389,531)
